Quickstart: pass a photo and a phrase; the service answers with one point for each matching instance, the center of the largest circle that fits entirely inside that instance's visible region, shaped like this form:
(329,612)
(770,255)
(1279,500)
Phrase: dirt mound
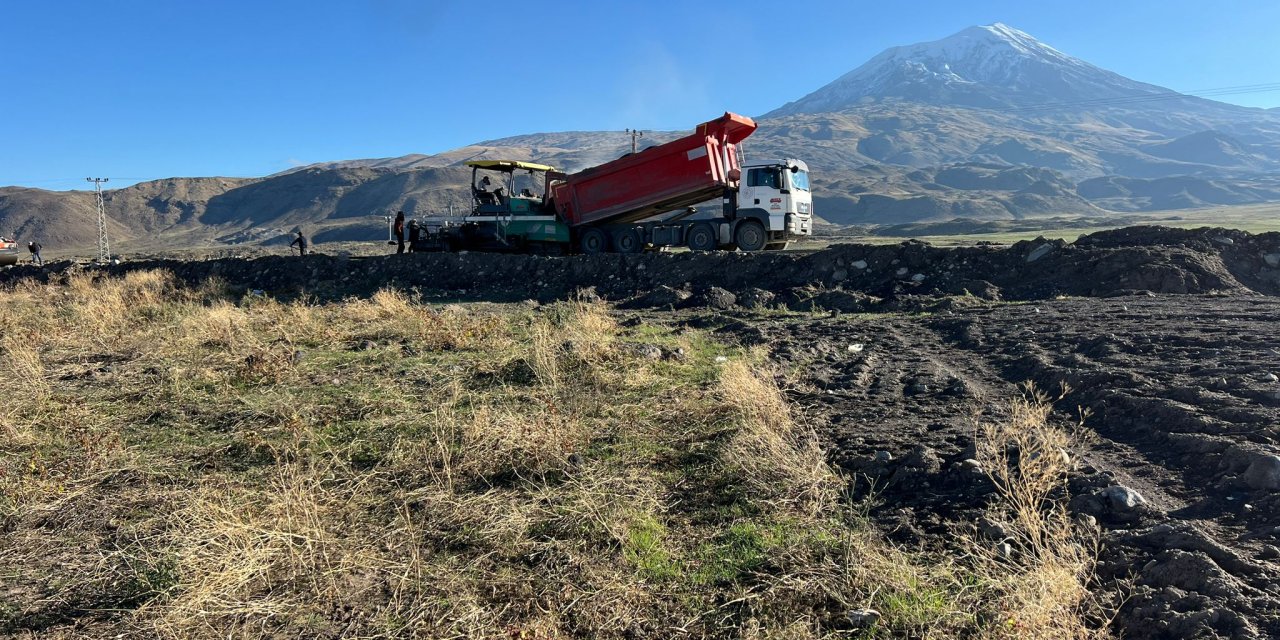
(1140,259)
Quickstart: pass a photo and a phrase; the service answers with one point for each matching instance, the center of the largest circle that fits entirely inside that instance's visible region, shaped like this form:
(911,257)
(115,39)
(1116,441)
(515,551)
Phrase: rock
(721,359)
(754,298)
(902,271)
(863,619)
(971,465)
(862,264)
(919,277)
(1270,377)
(882,457)
(368,345)
(1087,521)
(1039,252)
(677,354)
(648,351)
(1223,240)
(662,296)
(1122,499)
(716,298)
(1272,259)
(922,457)
(1263,473)
(855,347)
(840,275)
(993,529)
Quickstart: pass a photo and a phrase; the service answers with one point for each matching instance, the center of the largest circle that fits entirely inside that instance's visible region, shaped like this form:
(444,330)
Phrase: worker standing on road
(399,229)
(301,243)
(34,247)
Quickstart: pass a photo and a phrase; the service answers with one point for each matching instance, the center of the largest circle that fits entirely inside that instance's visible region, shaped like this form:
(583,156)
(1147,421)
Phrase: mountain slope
(988,67)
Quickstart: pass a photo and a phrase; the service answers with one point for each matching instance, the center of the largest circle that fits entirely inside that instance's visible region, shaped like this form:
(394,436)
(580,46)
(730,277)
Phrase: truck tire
(702,238)
(593,241)
(750,236)
(627,241)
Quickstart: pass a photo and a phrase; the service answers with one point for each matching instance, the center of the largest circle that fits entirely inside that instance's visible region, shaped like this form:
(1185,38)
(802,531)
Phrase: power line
(104,251)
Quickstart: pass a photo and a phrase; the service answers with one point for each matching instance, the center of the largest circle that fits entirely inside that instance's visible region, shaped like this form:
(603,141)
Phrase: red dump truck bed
(671,176)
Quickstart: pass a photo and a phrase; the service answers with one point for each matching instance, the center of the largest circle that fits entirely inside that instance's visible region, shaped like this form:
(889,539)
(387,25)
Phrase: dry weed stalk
(1044,584)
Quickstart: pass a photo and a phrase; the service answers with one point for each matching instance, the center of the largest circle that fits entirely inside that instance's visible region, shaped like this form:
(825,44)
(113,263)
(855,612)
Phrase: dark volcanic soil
(1185,411)
(1103,264)
(1168,337)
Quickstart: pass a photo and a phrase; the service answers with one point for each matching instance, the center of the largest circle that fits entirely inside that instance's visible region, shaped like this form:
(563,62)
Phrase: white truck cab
(777,191)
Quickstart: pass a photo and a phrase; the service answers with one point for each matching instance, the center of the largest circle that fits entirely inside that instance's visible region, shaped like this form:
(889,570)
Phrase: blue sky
(138,90)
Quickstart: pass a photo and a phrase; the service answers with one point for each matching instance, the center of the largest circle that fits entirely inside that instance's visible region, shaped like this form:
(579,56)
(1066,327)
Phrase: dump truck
(641,201)
(9,252)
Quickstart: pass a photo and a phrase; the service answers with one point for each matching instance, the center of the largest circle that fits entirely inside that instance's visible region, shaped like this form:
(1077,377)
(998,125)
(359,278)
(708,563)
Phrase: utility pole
(104,250)
(635,135)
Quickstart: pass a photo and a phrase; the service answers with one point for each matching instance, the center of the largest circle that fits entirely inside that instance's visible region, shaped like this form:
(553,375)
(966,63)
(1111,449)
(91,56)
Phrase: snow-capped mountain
(993,66)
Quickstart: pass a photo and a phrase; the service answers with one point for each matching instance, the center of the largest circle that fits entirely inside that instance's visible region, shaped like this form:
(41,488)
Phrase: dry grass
(190,465)
(1044,584)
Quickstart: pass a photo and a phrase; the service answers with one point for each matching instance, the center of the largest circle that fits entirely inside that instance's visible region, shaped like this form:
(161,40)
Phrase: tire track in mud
(1185,407)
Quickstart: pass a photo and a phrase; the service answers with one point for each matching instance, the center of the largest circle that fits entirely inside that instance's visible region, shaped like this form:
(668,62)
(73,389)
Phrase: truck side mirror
(795,169)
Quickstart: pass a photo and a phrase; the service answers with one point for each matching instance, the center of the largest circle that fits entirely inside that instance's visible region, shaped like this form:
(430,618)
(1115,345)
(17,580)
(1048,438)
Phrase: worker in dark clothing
(301,243)
(399,229)
(34,247)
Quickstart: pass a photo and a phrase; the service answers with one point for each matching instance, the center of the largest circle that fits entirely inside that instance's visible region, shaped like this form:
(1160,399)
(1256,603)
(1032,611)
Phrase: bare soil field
(1045,440)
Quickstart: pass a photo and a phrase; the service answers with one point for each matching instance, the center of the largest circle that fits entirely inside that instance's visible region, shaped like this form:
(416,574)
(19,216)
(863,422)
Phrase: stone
(863,619)
(1272,259)
(902,271)
(919,277)
(1263,473)
(1039,252)
(1224,240)
(971,465)
(993,529)
(717,298)
(755,298)
(649,351)
(840,275)
(862,264)
(1122,499)
(924,458)
(368,345)
(882,457)
(856,347)
(916,389)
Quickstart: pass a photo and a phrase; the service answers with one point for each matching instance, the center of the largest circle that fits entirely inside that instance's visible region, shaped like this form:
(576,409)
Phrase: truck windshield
(800,180)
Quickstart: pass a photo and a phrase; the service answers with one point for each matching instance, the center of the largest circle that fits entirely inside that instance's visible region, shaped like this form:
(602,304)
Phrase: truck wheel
(627,241)
(593,241)
(750,236)
(702,238)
